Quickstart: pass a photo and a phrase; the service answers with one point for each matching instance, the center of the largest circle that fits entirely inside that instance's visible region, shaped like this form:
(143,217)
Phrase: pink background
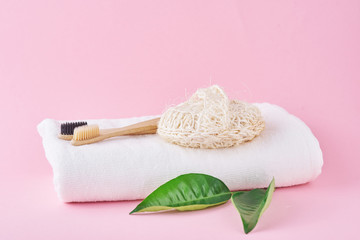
(113,59)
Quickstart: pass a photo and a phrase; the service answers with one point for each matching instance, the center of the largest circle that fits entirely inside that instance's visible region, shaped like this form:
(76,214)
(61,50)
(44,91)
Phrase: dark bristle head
(68,127)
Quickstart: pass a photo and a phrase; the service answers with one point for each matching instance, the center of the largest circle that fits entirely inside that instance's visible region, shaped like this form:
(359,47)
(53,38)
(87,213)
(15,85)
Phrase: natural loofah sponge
(210,120)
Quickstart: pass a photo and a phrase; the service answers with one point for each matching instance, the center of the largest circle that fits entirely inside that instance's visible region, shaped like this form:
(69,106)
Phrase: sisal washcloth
(131,167)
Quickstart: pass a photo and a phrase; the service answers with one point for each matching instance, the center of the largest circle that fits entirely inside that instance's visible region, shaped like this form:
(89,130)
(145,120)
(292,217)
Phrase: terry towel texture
(127,168)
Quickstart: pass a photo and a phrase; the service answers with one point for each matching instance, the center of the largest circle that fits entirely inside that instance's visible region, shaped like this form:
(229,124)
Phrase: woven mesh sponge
(210,120)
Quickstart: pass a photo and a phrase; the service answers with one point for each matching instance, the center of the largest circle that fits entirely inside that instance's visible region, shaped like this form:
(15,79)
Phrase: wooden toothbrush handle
(145,127)
(143,133)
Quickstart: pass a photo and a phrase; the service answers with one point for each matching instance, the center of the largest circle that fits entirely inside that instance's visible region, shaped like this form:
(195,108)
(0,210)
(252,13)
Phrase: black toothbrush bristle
(68,127)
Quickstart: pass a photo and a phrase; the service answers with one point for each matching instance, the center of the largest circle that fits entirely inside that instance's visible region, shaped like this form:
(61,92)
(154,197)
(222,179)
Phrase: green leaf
(187,192)
(252,204)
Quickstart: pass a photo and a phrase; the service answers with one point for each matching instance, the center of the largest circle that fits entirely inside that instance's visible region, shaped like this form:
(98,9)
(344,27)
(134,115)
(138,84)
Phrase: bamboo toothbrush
(88,134)
(67,130)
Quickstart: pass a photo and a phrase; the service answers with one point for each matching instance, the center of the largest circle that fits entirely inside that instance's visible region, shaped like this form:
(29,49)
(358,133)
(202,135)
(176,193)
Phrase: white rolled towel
(131,167)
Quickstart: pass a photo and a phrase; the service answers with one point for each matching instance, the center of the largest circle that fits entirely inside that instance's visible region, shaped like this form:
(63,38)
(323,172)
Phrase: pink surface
(113,59)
